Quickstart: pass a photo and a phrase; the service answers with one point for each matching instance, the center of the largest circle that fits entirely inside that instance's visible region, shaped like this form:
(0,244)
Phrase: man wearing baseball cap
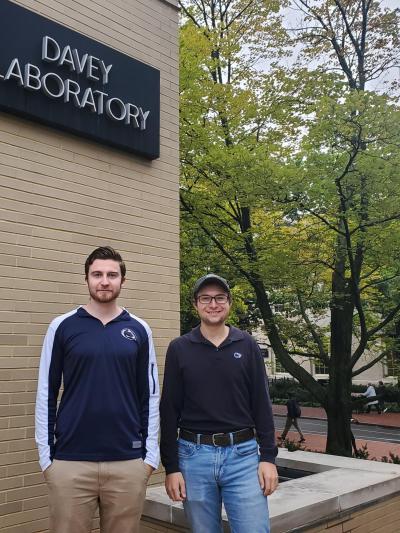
(216,396)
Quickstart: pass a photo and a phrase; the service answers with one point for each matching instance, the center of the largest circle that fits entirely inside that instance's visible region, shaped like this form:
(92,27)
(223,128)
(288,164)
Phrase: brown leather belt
(218,439)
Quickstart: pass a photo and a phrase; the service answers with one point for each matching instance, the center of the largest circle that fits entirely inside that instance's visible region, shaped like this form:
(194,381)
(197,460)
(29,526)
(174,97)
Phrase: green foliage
(290,184)
(280,389)
(363,453)
(291,445)
(393,458)
(335,32)
(392,394)
(198,257)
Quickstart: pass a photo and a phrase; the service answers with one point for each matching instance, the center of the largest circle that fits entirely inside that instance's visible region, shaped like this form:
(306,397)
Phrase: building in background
(379,371)
(88,156)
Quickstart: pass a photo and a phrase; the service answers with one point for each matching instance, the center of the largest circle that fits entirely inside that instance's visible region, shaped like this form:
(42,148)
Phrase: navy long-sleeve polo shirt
(109,406)
(209,389)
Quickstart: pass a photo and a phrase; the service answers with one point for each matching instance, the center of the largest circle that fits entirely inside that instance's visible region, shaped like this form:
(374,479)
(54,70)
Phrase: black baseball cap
(208,279)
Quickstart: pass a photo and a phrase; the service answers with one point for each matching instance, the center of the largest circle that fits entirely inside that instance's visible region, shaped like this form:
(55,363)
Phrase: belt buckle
(217,435)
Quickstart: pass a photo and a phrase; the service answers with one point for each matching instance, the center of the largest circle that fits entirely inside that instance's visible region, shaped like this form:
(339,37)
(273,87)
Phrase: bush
(291,445)
(279,389)
(392,394)
(362,453)
(393,458)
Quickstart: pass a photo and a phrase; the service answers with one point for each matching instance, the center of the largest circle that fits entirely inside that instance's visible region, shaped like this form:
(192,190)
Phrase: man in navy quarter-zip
(99,446)
(215,395)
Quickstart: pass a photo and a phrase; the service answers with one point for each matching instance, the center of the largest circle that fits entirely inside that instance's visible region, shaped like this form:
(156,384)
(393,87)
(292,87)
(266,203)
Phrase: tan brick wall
(383,517)
(61,196)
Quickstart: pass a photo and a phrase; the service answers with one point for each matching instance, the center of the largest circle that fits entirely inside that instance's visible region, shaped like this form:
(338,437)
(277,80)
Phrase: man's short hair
(104,252)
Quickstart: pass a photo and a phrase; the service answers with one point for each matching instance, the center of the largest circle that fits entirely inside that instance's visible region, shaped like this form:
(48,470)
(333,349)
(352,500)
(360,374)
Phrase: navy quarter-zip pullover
(209,389)
(109,408)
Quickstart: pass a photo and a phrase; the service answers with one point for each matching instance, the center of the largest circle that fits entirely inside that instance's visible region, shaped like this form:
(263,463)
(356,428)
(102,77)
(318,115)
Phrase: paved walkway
(385,419)
(317,442)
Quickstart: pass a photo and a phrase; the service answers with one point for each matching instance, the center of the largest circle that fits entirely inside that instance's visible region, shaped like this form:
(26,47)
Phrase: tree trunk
(339,426)
(338,406)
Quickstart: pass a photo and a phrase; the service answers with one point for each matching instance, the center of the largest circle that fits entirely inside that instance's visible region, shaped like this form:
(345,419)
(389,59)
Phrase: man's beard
(106,296)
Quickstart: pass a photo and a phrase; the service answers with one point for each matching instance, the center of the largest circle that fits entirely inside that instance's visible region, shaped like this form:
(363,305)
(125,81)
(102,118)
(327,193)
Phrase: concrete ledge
(338,485)
(321,462)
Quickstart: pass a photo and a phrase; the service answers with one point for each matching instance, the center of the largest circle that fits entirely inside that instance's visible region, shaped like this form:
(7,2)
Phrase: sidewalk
(384,420)
(317,442)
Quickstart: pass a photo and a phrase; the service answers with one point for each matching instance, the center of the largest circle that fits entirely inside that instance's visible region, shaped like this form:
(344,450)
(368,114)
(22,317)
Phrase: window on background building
(279,308)
(320,367)
(264,352)
(278,366)
(392,363)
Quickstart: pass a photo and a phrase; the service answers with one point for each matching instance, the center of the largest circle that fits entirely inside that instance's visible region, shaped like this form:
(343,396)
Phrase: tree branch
(370,364)
(370,333)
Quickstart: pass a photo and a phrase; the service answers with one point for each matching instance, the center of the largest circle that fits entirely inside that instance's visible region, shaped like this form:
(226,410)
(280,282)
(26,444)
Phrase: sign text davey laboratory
(95,70)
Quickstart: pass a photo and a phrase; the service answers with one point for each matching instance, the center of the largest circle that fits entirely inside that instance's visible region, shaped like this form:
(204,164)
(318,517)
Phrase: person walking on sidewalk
(98,448)
(216,393)
(381,395)
(370,393)
(293,415)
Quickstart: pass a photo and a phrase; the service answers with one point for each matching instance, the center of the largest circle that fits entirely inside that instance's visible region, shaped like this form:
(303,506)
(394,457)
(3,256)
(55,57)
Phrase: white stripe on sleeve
(153,450)
(42,395)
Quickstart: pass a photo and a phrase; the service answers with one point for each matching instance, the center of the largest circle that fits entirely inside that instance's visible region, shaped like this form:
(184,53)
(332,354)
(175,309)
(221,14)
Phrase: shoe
(302,439)
(385,410)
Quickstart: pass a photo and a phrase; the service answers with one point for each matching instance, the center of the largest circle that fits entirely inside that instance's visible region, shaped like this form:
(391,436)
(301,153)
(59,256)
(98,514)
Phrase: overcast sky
(293,19)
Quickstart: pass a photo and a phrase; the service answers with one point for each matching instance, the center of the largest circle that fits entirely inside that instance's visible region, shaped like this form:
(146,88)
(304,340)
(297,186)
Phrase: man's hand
(175,486)
(149,469)
(268,477)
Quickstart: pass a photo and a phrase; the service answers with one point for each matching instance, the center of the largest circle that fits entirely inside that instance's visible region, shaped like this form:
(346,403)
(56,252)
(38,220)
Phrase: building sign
(63,79)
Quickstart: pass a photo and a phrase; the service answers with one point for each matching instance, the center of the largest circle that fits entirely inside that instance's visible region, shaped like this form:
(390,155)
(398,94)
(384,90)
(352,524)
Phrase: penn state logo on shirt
(237,355)
(128,334)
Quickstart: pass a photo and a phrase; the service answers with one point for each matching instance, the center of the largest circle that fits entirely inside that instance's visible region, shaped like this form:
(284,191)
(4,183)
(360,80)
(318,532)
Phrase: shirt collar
(234,334)
(124,315)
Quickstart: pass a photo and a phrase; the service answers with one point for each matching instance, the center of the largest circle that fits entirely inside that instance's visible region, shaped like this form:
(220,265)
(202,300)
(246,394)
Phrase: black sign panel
(59,77)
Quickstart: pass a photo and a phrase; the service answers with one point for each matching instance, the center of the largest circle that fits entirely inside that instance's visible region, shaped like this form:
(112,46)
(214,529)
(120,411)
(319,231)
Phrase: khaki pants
(77,488)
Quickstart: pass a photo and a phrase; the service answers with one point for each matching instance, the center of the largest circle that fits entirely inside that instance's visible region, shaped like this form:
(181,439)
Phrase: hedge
(280,388)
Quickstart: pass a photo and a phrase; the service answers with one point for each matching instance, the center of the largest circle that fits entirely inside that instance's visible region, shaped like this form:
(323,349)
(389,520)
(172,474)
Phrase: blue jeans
(228,474)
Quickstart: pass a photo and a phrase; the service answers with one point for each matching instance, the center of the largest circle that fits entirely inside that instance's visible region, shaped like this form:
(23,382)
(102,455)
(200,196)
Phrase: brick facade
(383,517)
(61,196)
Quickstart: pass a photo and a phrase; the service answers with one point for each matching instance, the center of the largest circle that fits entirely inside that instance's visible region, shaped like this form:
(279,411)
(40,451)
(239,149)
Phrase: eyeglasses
(207,299)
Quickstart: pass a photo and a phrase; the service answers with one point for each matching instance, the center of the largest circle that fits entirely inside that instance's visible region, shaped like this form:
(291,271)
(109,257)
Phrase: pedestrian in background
(293,414)
(381,395)
(371,393)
